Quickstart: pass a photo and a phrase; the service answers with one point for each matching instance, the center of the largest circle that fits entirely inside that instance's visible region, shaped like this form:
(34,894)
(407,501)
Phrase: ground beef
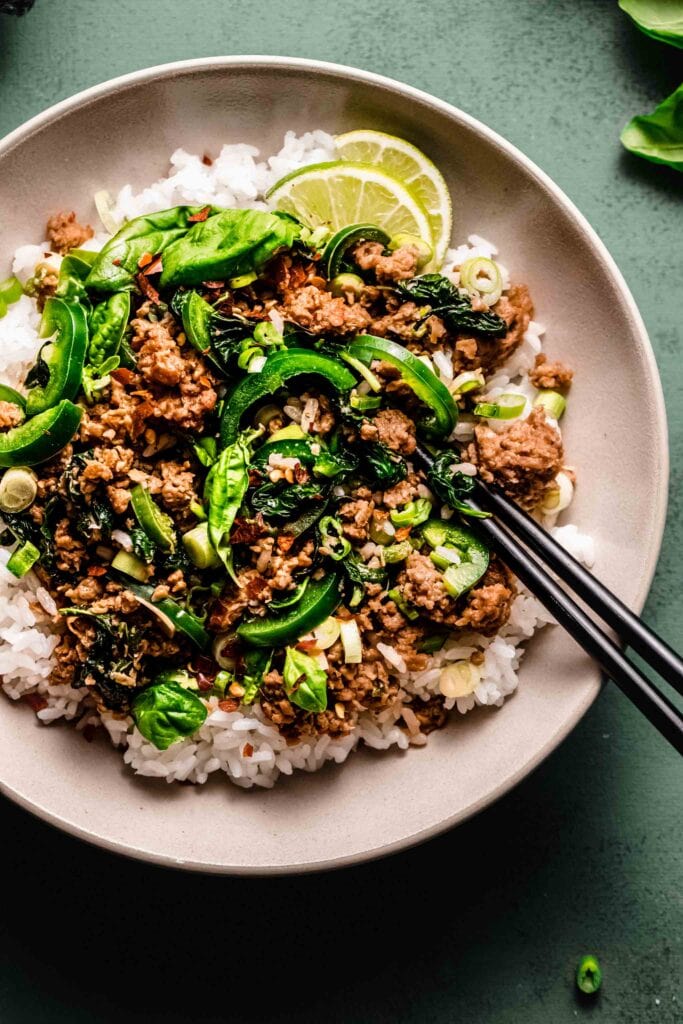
(483,610)
(471,353)
(403,492)
(83,594)
(104,465)
(64,232)
(396,266)
(355,515)
(545,374)
(392,428)
(421,585)
(524,458)
(69,551)
(430,713)
(10,415)
(490,602)
(177,489)
(399,321)
(66,660)
(160,360)
(193,399)
(117,420)
(319,312)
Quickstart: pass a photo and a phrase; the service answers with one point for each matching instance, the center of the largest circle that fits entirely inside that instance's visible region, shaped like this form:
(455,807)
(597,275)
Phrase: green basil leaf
(167,712)
(305,681)
(658,136)
(232,243)
(226,486)
(659,19)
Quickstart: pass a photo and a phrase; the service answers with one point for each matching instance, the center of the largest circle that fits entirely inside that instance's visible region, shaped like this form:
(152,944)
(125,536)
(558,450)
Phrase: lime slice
(408,164)
(339,193)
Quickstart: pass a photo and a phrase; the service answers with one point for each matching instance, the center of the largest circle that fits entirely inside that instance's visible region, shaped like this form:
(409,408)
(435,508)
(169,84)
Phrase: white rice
(243,744)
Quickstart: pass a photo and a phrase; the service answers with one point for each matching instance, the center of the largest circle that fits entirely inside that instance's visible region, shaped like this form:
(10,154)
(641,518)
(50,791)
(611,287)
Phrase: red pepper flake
(205,382)
(207,161)
(206,667)
(123,375)
(117,262)
(155,267)
(228,705)
(285,541)
(247,750)
(145,259)
(254,478)
(96,570)
(36,701)
(146,288)
(88,732)
(300,474)
(203,682)
(402,533)
(246,531)
(306,645)
(142,412)
(197,218)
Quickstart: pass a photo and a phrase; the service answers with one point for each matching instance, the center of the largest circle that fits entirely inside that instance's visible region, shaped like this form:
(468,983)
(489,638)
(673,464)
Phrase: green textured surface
(487,923)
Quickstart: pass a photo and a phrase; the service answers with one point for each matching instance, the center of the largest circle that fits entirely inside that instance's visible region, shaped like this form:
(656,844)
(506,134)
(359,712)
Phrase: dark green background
(487,923)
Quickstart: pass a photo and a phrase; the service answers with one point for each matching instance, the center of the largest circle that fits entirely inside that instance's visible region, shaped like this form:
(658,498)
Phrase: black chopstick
(525,565)
(626,624)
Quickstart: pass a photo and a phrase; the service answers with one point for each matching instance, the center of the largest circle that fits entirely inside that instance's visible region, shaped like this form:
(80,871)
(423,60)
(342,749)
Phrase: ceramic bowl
(123,131)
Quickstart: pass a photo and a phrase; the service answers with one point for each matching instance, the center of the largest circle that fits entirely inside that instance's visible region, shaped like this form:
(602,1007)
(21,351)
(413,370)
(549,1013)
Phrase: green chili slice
(156,524)
(423,382)
(319,601)
(41,437)
(335,253)
(589,975)
(279,368)
(61,358)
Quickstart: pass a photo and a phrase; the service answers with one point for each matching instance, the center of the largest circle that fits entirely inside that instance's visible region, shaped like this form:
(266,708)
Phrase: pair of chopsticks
(530,561)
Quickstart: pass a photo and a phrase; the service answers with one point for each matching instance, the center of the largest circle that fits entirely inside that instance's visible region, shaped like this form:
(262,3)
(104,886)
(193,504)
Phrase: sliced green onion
(266,333)
(458,579)
(199,548)
(405,609)
(332,536)
(18,489)
(131,565)
(589,975)
(364,402)
(10,290)
(226,660)
(397,552)
(343,283)
(266,414)
(103,205)
(443,556)
(382,530)
(425,253)
(198,510)
(326,633)
(558,496)
(256,363)
(23,559)
(412,514)
(242,280)
(482,275)
(3,308)
(505,407)
(363,370)
(222,682)
(350,638)
(552,401)
(245,357)
(459,679)
(292,432)
(470,380)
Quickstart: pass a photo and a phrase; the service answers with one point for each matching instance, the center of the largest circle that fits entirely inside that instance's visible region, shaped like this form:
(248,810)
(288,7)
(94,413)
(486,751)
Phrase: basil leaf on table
(232,243)
(167,712)
(658,136)
(659,19)
(305,681)
(117,265)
